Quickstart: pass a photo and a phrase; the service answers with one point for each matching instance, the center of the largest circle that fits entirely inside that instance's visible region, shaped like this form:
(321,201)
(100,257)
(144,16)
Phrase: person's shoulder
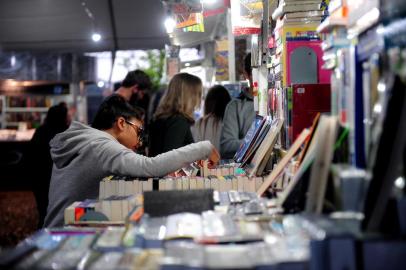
(234,102)
(179,118)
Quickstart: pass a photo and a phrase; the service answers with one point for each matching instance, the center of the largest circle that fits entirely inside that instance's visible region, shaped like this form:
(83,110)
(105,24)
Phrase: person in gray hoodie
(84,155)
(238,117)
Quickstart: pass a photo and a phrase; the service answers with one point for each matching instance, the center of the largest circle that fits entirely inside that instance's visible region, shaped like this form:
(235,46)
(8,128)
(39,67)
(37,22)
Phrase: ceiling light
(13,61)
(187,65)
(208,2)
(96,37)
(100,84)
(170,24)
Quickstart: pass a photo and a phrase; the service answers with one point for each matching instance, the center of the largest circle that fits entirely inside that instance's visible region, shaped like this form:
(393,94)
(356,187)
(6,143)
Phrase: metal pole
(231,49)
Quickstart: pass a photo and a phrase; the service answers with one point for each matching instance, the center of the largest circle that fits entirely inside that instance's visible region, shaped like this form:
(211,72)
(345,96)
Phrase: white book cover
(214,183)
(179,185)
(199,182)
(240,185)
(121,187)
(185,183)
(207,183)
(222,184)
(102,189)
(249,184)
(193,184)
(116,210)
(106,208)
(235,183)
(136,186)
(124,208)
(229,184)
(128,188)
(162,184)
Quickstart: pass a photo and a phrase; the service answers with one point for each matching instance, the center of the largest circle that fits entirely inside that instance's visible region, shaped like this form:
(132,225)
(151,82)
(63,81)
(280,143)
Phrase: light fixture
(400,182)
(208,2)
(187,65)
(100,84)
(170,25)
(13,61)
(96,37)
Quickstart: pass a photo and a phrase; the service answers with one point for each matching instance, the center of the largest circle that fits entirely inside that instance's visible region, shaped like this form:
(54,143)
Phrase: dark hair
(137,77)
(247,64)
(111,109)
(216,101)
(57,117)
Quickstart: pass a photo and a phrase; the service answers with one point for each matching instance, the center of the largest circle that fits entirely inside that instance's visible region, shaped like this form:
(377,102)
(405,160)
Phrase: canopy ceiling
(63,25)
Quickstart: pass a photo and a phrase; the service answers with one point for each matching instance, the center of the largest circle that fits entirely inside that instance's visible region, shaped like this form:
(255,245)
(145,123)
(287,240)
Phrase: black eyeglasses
(138,129)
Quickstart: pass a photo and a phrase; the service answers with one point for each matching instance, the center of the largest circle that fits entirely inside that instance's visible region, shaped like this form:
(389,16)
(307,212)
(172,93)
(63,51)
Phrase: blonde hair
(182,97)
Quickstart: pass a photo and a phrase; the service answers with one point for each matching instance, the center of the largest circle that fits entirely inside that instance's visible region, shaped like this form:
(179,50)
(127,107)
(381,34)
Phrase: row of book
(119,209)
(114,208)
(202,169)
(120,187)
(23,102)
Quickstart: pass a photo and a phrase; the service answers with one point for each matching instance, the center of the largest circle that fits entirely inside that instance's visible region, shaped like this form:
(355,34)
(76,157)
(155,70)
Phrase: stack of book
(257,147)
(114,208)
(297,57)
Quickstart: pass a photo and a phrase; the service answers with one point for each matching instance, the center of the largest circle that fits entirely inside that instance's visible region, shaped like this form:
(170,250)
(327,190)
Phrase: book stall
(318,182)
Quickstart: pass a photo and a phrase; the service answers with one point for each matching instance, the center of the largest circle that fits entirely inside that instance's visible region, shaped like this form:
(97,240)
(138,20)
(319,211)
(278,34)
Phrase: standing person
(135,89)
(238,116)
(170,128)
(210,125)
(83,156)
(39,157)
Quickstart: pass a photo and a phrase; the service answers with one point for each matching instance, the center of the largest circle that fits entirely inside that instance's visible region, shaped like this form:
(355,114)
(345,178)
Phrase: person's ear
(120,123)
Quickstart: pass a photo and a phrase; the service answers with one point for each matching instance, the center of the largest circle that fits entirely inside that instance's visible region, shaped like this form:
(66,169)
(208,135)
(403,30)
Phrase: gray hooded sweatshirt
(83,156)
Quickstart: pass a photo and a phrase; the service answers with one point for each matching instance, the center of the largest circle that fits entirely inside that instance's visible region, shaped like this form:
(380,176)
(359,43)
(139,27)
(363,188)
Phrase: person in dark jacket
(170,128)
(238,116)
(39,157)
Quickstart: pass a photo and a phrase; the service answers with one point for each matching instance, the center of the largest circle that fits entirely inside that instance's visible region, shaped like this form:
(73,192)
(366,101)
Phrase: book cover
(249,137)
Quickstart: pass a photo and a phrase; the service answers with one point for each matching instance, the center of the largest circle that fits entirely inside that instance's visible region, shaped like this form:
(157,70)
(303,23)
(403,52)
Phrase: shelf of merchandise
(5,110)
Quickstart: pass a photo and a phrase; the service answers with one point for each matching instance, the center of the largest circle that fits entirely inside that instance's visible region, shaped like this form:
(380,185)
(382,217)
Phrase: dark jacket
(40,164)
(169,133)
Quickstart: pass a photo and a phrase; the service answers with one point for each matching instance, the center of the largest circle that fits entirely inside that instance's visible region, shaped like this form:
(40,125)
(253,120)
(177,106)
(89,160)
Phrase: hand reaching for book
(214,157)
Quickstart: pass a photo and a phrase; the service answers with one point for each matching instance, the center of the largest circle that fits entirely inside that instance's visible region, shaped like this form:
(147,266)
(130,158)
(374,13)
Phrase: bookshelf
(24,109)
(26,103)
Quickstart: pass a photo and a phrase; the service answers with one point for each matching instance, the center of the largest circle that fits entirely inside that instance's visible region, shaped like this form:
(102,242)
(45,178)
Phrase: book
(249,138)
(265,149)
(269,180)
(324,150)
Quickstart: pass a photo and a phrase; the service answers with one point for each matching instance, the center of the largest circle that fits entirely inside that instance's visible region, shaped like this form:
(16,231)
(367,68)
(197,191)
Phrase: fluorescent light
(170,25)
(96,37)
(187,65)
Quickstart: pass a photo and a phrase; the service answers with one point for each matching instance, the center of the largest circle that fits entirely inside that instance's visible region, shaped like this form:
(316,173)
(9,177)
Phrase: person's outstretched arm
(120,160)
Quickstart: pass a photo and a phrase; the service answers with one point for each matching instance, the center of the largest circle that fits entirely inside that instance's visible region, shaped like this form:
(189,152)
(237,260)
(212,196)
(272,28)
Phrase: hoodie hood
(67,145)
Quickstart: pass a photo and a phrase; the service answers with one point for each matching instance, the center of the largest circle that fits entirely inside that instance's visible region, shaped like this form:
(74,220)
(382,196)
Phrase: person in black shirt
(39,157)
(170,128)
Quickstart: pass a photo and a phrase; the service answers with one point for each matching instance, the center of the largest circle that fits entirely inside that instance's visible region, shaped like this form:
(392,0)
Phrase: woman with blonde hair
(170,128)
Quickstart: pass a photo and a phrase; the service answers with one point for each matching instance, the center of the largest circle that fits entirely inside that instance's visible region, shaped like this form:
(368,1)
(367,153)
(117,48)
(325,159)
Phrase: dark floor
(18,216)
